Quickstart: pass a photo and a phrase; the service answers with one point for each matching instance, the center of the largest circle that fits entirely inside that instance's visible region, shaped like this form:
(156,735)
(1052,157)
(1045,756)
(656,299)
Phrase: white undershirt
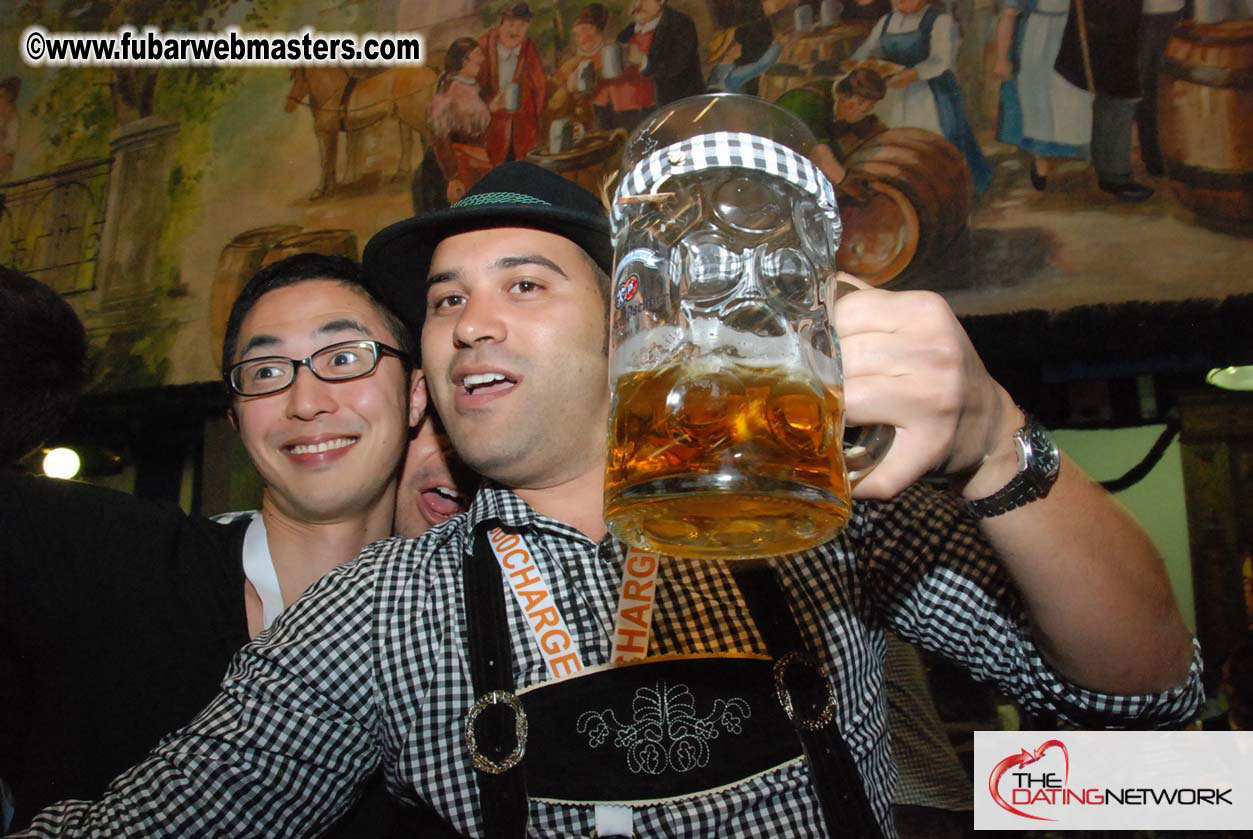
(507,62)
(259,570)
(645,28)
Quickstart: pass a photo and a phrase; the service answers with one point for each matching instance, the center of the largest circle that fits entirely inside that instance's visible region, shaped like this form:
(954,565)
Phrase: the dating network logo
(1114,779)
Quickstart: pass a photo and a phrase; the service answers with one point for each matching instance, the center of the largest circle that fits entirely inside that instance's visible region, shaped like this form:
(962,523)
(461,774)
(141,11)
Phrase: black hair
(518,11)
(43,363)
(595,14)
(303,268)
(454,59)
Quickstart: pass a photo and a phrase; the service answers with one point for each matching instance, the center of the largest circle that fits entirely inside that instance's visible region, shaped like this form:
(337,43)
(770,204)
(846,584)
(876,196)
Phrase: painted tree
(78,109)
(80,106)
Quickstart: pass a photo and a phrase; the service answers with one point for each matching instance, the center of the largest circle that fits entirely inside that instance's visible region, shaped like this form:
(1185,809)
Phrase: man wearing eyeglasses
(428,491)
(323,401)
(120,615)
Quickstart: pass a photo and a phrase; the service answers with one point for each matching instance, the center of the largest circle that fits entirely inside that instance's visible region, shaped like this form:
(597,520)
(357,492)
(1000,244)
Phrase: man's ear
(233,417)
(417,398)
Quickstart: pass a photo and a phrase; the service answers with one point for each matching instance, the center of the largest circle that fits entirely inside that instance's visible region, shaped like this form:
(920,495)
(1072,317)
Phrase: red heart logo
(1024,758)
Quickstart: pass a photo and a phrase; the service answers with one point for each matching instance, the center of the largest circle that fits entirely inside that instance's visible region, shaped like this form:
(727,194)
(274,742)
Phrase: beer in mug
(718,459)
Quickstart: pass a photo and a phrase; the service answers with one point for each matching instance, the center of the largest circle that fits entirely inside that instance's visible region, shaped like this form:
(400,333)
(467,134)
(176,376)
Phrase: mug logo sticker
(627,290)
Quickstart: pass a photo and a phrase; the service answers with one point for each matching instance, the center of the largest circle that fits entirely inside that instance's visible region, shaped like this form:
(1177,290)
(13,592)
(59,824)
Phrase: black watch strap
(1039,463)
(1013,495)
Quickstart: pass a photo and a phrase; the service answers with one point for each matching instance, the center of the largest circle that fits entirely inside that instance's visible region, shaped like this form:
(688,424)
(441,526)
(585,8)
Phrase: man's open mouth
(483,383)
(444,501)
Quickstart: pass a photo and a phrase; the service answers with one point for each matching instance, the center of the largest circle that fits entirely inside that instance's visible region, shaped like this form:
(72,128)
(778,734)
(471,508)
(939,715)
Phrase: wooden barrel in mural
(883,240)
(880,233)
(588,162)
(330,242)
(1205,117)
(237,262)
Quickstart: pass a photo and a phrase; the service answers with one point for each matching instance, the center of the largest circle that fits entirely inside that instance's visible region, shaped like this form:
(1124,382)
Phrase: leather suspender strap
(806,695)
(499,734)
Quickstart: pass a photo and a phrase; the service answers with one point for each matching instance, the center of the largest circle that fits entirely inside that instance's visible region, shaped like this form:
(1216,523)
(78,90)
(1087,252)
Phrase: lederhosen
(654,730)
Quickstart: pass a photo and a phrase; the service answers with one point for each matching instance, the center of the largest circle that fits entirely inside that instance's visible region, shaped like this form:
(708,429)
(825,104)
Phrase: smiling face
(645,10)
(474,63)
(326,450)
(587,38)
(513,30)
(513,350)
(434,484)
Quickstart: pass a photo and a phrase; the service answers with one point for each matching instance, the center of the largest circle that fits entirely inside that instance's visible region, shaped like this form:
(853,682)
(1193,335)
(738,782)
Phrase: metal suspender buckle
(481,761)
(824,717)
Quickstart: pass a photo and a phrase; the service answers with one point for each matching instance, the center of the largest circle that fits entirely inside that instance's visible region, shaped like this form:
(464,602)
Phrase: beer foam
(647,350)
(708,340)
(713,336)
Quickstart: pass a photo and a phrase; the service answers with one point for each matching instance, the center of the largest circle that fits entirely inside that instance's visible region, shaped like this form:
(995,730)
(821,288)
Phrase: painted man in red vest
(662,61)
(511,57)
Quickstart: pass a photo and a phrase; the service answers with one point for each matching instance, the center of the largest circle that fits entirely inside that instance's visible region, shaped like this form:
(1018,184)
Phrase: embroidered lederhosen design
(652,730)
(655,730)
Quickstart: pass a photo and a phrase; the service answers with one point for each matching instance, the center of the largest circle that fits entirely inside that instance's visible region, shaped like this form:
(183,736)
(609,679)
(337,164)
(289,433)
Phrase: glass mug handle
(865,446)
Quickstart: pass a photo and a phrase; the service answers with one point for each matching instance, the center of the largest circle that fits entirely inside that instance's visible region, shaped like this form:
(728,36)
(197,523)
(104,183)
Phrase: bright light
(61,463)
(1231,378)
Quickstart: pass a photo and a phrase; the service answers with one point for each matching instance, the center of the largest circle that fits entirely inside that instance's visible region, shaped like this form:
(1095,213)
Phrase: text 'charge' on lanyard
(633,618)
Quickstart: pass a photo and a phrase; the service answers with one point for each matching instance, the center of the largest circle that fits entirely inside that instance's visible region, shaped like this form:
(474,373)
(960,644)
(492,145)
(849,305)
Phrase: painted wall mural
(1010,154)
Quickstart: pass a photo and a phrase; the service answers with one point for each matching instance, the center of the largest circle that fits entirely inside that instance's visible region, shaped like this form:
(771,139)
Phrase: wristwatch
(1039,461)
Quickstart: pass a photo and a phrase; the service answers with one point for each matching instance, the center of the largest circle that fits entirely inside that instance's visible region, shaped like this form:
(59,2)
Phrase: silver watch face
(1043,460)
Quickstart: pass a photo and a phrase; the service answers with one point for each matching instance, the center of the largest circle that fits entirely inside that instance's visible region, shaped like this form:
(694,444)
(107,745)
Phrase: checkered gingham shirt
(371,665)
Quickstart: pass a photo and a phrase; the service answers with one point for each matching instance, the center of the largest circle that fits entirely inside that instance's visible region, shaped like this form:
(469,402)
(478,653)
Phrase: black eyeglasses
(337,363)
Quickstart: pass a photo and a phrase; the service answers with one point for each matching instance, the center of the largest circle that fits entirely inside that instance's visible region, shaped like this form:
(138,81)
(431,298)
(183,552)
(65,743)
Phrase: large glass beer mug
(726,431)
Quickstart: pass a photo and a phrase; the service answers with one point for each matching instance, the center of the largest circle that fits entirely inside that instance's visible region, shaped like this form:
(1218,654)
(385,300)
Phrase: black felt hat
(517,194)
(521,11)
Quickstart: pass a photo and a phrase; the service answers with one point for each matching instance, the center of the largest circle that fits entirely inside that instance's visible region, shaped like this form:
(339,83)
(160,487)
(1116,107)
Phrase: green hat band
(484,198)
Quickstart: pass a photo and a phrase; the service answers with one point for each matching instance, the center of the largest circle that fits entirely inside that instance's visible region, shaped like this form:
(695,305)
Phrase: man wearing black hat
(470,662)
(514,84)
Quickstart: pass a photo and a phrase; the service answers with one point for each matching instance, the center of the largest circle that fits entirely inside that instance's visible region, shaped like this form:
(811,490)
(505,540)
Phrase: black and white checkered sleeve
(281,749)
(941,586)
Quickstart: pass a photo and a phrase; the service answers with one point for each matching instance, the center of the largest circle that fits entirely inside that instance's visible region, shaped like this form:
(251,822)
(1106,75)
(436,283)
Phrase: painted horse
(348,100)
